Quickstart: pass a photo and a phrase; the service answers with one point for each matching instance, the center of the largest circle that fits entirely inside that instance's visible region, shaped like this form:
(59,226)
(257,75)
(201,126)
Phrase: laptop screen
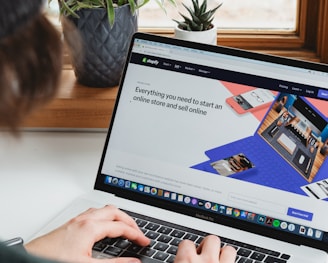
(222,134)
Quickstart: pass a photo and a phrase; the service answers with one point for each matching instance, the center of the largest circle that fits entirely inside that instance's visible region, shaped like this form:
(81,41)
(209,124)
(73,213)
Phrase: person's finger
(228,254)
(186,249)
(118,215)
(104,228)
(210,246)
(109,212)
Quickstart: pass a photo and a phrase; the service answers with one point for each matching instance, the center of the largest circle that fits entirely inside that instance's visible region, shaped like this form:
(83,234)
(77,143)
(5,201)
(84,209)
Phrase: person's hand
(73,241)
(208,251)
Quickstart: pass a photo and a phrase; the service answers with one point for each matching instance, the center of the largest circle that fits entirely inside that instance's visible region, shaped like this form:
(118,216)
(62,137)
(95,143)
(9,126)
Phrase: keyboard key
(161,246)
(244,260)
(164,239)
(172,250)
(99,246)
(113,251)
(170,259)
(270,259)
(129,254)
(267,251)
(284,256)
(191,237)
(161,256)
(141,223)
(200,239)
(152,235)
(175,242)
(257,256)
(146,251)
(243,252)
(122,243)
(165,230)
(134,248)
(177,233)
(109,241)
(152,226)
(152,243)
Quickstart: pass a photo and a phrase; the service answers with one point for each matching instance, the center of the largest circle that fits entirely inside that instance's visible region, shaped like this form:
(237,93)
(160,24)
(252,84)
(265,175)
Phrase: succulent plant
(200,18)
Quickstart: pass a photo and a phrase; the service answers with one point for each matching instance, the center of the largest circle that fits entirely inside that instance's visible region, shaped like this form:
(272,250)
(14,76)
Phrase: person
(30,65)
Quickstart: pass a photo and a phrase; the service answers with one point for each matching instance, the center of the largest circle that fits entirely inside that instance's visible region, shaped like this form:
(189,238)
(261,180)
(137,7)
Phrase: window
(233,14)
(296,28)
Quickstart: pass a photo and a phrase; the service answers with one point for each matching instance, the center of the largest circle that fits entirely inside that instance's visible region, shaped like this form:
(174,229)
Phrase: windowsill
(77,106)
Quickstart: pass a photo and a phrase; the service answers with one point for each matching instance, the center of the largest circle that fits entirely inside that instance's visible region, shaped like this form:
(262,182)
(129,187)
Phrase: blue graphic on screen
(287,151)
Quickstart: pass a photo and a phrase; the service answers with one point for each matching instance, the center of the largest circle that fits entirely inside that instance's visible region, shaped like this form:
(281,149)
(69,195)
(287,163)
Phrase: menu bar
(232,76)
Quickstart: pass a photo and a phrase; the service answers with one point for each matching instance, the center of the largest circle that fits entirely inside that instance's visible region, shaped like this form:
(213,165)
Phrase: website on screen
(249,140)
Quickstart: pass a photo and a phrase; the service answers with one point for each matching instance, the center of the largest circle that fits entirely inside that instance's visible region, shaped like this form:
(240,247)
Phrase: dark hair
(30,68)
(30,60)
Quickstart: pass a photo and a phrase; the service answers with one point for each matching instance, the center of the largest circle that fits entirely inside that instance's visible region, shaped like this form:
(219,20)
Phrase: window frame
(309,40)
(322,35)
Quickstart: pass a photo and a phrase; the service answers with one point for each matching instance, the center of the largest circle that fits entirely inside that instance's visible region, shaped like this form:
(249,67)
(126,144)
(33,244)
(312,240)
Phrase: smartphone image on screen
(251,100)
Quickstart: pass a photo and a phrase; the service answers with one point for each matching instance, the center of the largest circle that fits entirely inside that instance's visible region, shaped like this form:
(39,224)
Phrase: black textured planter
(104,49)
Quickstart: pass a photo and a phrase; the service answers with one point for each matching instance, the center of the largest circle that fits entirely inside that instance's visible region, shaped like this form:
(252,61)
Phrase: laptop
(214,140)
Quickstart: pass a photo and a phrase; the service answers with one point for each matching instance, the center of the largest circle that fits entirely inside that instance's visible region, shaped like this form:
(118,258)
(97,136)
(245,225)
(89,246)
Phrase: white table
(41,173)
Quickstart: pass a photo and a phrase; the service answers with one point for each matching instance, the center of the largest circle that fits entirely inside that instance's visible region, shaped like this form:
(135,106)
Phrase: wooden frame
(322,44)
(309,41)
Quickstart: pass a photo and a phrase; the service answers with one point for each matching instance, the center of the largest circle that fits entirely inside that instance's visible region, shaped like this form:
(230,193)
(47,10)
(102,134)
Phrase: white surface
(41,173)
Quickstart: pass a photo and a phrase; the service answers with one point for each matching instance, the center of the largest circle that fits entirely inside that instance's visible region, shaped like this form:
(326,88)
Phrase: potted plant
(199,26)
(98,34)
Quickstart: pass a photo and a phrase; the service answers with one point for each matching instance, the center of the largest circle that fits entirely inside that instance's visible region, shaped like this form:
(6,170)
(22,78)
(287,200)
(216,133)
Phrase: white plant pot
(207,37)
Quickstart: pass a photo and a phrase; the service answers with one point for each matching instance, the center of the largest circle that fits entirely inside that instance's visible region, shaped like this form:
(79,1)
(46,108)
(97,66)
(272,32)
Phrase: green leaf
(196,7)
(132,6)
(201,19)
(68,11)
(146,1)
(203,7)
(186,19)
(69,7)
(110,12)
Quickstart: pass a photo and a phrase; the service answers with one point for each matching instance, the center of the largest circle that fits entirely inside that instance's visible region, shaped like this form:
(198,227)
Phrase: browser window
(240,137)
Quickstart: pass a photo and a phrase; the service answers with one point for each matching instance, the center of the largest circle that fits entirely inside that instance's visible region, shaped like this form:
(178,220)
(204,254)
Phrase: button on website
(300,214)
(322,93)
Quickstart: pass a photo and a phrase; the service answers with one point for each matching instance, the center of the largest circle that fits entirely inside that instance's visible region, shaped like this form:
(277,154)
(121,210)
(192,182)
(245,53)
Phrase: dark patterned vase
(101,59)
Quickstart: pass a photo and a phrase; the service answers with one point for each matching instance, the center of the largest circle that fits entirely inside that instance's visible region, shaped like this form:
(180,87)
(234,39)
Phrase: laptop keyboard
(165,238)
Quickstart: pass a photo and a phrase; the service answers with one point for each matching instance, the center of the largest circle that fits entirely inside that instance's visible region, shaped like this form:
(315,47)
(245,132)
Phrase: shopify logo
(150,61)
